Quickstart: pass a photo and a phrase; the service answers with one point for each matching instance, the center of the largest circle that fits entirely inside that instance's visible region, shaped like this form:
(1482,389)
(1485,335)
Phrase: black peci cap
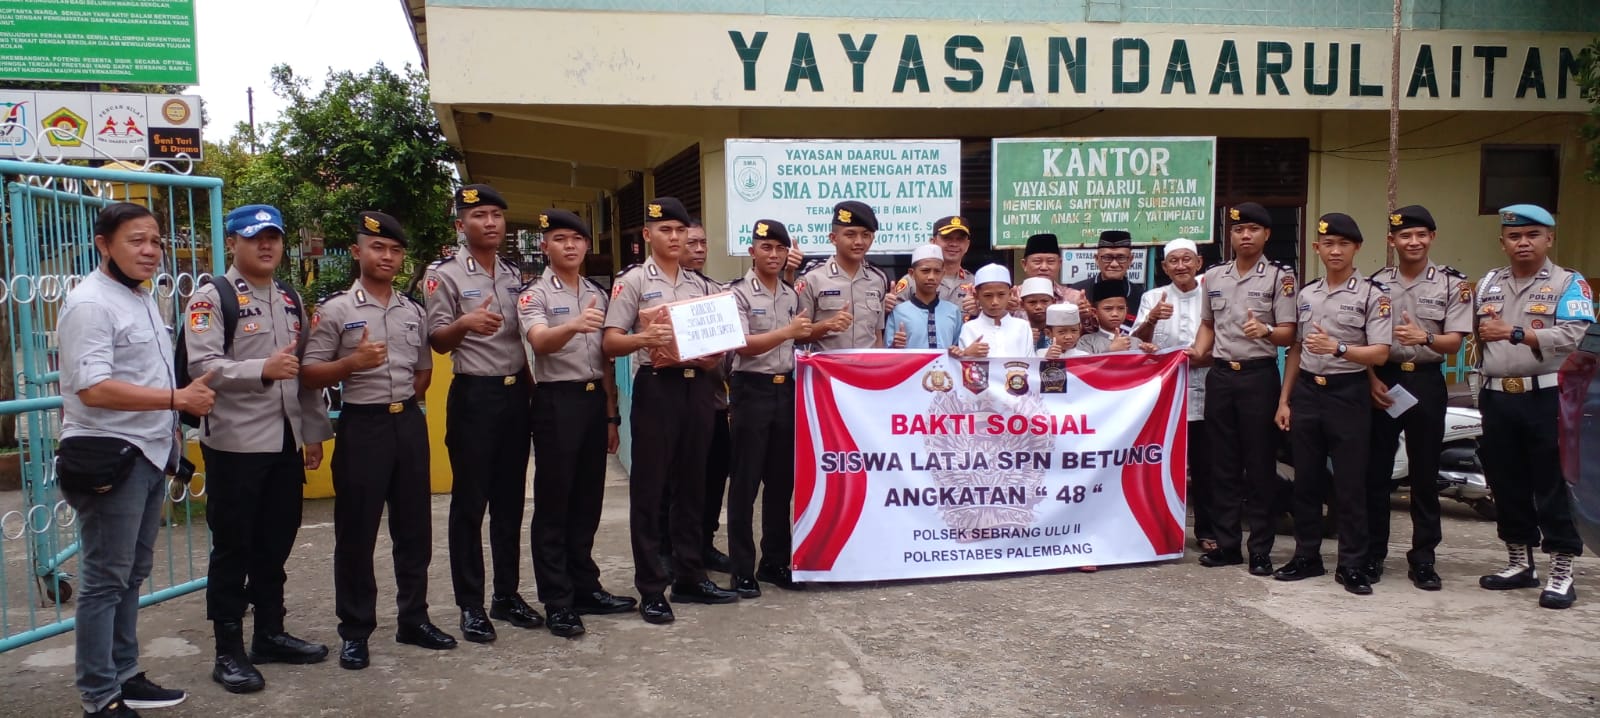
(1115,238)
(1042,244)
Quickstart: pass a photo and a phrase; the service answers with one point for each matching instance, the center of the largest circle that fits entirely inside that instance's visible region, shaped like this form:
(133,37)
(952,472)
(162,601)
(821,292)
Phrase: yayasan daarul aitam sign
(118,41)
(908,184)
(1156,188)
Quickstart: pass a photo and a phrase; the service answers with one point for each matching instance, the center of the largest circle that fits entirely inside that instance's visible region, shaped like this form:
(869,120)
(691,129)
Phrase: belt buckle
(778,378)
(688,373)
(589,386)
(1321,380)
(1236,366)
(397,407)
(508,381)
(1513,385)
(1408,366)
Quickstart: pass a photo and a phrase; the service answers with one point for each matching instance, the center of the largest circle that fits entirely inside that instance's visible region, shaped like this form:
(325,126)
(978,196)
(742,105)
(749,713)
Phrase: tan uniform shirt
(458,285)
(1556,304)
(1357,313)
(552,302)
(1267,289)
(336,331)
(826,289)
(762,311)
(1439,300)
(249,412)
(645,286)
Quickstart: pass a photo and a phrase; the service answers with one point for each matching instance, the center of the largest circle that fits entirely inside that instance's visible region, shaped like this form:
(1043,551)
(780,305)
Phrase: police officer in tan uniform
(671,417)
(844,296)
(1248,312)
(486,417)
(719,453)
(953,235)
(574,426)
(374,339)
(252,443)
(1326,406)
(763,416)
(1529,316)
(1432,313)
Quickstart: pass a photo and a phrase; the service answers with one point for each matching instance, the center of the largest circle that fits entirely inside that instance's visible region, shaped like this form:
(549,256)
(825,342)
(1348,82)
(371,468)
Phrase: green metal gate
(47,217)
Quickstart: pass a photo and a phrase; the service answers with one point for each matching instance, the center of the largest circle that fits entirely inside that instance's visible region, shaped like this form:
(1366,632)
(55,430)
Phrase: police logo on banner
(750,177)
(975,376)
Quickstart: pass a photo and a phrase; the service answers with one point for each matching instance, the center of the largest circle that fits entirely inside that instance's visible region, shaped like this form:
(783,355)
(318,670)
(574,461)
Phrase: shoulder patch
(1286,285)
(1380,285)
(1281,266)
(627,269)
(1452,271)
(437,263)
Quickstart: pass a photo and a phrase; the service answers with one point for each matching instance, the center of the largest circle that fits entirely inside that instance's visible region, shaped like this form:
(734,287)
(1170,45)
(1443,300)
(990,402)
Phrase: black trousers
(1240,405)
(569,480)
(1523,465)
(719,459)
(1201,492)
(1423,425)
(763,458)
(380,459)
(671,422)
(1331,422)
(487,437)
(253,509)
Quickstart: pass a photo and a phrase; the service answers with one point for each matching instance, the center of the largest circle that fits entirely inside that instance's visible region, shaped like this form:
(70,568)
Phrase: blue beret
(1523,215)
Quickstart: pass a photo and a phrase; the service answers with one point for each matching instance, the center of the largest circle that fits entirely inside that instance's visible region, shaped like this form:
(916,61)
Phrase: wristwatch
(614,420)
(1341,349)
(1517,335)
(1429,341)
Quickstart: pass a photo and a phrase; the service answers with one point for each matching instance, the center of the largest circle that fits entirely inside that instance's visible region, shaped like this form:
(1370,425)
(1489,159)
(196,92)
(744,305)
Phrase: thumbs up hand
(197,398)
(799,327)
(369,354)
(1162,309)
(283,364)
(1253,328)
(1408,332)
(840,321)
(592,318)
(1493,329)
(483,320)
(1319,342)
(977,349)
(899,338)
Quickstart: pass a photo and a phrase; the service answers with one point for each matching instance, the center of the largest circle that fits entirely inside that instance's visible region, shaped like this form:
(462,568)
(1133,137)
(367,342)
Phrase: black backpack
(228,300)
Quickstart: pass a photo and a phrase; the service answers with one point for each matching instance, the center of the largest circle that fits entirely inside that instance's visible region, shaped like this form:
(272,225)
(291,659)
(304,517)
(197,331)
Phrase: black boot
(233,668)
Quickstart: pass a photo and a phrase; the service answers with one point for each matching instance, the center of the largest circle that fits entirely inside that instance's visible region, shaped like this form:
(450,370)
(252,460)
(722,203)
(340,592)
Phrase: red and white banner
(911,464)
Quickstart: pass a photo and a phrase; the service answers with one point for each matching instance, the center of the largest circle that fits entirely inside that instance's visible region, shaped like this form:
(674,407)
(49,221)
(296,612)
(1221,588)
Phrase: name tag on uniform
(758,311)
(1214,292)
(650,295)
(561,310)
(829,293)
(355,325)
(472,293)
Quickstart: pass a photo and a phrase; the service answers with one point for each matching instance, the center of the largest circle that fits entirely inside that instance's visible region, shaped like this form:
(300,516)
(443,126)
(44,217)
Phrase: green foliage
(1589,89)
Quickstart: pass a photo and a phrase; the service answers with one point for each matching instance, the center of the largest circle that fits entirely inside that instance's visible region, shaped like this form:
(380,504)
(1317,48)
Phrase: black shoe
(115,709)
(564,622)
(601,603)
(281,647)
(702,592)
(427,635)
(655,609)
(1354,580)
(1424,577)
(236,674)
(515,611)
(353,654)
(779,576)
(1221,557)
(1260,564)
(745,586)
(141,692)
(717,561)
(1518,573)
(1299,568)
(475,627)
(1373,570)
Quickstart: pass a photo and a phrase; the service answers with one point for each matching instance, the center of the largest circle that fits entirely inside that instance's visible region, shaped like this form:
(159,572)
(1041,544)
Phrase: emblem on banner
(1017,378)
(967,464)
(937,380)
(975,376)
(1053,377)
(750,177)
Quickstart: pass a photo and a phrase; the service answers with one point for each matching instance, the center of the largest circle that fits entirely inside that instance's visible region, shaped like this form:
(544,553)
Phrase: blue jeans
(117,538)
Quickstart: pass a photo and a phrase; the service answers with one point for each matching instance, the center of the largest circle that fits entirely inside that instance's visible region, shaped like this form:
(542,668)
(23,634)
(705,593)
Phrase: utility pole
(1394,122)
(250,103)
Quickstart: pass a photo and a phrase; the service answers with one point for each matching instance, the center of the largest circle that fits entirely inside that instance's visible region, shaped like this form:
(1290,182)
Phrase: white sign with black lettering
(706,326)
(1078,265)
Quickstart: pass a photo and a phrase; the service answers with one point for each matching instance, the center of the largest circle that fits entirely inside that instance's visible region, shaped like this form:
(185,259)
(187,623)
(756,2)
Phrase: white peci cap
(1037,285)
(1182,243)
(1061,315)
(991,273)
(927,251)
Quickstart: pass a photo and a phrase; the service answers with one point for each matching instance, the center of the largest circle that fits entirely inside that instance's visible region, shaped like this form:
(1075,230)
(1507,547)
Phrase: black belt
(390,408)
(673,372)
(1246,364)
(578,386)
(1334,380)
(502,380)
(756,376)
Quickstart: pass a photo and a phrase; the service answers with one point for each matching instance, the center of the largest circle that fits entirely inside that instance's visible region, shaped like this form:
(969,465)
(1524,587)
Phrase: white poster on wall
(1078,265)
(908,184)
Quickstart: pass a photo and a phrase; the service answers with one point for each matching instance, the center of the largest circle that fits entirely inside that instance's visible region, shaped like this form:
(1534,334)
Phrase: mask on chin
(121,276)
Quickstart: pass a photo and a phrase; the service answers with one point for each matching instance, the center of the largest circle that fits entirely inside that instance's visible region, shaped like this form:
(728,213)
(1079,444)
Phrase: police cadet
(1529,316)
(1248,312)
(844,297)
(1432,313)
(374,340)
(252,443)
(719,453)
(673,406)
(763,416)
(574,426)
(953,235)
(486,415)
(1325,405)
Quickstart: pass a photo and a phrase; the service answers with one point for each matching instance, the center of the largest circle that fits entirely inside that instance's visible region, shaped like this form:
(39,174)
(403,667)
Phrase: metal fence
(47,238)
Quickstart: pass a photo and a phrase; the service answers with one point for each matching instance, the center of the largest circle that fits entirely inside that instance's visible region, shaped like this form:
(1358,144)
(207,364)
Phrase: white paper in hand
(708,325)
(1403,400)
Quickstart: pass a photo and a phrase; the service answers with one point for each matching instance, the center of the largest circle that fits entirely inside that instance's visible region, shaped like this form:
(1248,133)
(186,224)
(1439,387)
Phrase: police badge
(1017,378)
(975,376)
(937,380)
(1053,376)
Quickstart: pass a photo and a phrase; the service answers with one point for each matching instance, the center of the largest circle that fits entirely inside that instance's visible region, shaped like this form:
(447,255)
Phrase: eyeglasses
(1115,258)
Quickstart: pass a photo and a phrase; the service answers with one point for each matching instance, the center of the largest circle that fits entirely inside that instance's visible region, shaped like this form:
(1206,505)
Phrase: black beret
(851,213)
(1339,225)
(1107,288)
(770,229)
(378,224)
(947,225)
(1042,244)
(1249,213)
(1115,238)
(666,209)
(1409,216)
(478,195)
(551,220)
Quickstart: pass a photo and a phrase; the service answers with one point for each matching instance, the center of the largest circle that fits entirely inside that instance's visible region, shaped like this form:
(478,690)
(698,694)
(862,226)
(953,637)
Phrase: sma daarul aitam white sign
(908,184)
(911,464)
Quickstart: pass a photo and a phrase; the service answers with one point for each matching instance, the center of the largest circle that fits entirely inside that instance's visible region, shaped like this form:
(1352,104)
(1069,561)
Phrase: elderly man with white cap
(1169,316)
